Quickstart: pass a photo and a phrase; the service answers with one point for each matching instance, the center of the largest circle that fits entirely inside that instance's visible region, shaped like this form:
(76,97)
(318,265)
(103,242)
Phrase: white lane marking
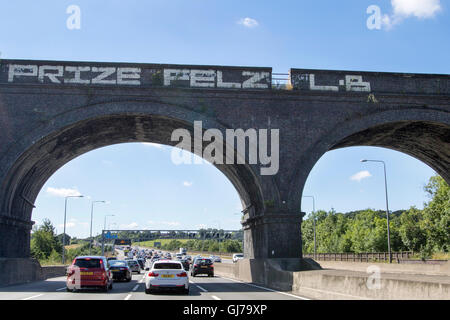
(38,295)
(203,289)
(61,289)
(127,297)
(254,285)
(135,287)
(215,298)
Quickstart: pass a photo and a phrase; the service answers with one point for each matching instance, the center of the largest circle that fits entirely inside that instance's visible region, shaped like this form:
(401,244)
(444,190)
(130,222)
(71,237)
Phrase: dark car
(186,264)
(120,270)
(141,263)
(111,258)
(89,272)
(202,266)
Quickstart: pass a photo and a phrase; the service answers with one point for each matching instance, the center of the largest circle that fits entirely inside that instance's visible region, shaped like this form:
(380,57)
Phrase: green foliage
(427,230)
(44,241)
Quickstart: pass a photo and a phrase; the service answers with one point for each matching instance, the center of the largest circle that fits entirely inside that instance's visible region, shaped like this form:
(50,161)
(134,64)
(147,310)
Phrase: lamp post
(103,237)
(92,214)
(314,222)
(64,232)
(387,206)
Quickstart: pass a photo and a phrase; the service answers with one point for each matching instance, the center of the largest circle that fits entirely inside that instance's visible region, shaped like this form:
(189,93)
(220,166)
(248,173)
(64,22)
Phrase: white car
(166,274)
(238,256)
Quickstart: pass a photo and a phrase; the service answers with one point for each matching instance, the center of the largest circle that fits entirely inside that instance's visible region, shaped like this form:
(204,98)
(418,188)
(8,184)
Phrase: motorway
(201,288)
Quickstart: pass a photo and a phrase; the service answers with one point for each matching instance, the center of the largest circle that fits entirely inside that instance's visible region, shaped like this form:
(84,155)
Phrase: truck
(182,251)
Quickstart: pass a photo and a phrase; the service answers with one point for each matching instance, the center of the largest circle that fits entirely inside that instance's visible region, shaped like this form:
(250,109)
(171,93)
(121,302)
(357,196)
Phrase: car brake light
(183,274)
(152,274)
(195,265)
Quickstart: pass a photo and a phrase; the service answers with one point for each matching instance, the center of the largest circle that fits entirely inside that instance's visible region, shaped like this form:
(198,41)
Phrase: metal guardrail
(281,81)
(360,257)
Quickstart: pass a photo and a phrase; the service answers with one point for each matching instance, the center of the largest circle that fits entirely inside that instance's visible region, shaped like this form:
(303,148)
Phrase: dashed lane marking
(61,289)
(215,298)
(201,288)
(32,297)
(254,285)
(127,297)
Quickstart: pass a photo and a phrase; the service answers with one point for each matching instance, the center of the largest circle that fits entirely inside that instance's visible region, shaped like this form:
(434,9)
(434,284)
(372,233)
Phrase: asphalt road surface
(201,288)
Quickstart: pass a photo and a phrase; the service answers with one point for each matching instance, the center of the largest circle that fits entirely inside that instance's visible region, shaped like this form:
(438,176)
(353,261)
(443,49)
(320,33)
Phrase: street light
(64,233)
(314,222)
(387,206)
(92,214)
(103,237)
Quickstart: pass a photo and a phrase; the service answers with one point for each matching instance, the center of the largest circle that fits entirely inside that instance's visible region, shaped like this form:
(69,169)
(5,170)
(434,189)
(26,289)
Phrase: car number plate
(167,275)
(204,266)
(86,273)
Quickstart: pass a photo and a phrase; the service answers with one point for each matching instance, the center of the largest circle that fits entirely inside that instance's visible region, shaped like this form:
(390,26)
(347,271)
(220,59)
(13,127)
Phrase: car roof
(91,257)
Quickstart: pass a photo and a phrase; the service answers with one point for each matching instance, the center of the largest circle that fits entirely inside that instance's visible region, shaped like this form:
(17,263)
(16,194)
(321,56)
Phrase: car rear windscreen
(204,261)
(167,266)
(88,263)
(118,263)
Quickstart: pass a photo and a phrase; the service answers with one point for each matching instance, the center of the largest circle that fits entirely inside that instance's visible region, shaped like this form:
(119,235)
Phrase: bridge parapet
(370,82)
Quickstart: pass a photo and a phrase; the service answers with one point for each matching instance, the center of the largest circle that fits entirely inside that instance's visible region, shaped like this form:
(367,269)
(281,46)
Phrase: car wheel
(186,291)
(69,290)
(148,291)
(110,286)
(129,279)
(105,288)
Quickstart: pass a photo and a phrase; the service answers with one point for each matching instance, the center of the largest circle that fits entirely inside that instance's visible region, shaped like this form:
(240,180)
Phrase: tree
(411,232)
(44,241)
(436,214)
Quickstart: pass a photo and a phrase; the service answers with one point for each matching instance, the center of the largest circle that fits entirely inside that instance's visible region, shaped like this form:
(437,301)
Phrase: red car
(89,272)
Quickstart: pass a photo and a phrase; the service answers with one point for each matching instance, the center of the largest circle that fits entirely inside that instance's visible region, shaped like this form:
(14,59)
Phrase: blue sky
(143,187)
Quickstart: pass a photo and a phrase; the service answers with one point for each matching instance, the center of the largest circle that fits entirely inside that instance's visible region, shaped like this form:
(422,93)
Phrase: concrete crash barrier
(311,281)
(345,285)
(272,273)
(442,269)
(19,270)
(53,271)
(24,270)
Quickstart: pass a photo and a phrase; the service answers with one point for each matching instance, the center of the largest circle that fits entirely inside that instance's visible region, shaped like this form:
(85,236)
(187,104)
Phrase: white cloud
(360,175)
(68,225)
(248,22)
(132,225)
(201,226)
(164,223)
(187,183)
(62,192)
(154,145)
(417,8)
(403,9)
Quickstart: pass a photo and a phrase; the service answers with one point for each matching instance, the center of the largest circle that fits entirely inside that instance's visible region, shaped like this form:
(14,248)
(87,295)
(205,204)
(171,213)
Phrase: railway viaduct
(54,111)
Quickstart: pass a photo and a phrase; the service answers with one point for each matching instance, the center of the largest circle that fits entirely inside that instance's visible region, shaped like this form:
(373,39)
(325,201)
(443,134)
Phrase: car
(215,258)
(202,266)
(179,256)
(141,263)
(134,266)
(120,270)
(166,275)
(111,258)
(186,264)
(89,272)
(237,256)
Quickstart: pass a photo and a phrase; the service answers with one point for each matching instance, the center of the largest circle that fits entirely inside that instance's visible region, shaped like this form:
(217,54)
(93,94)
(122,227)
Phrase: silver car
(134,266)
